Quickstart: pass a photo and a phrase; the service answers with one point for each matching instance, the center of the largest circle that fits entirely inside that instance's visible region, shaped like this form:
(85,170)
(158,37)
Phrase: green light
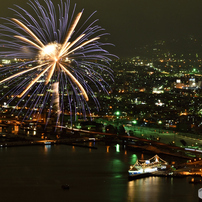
(135,122)
(134,158)
(117,113)
(117,148)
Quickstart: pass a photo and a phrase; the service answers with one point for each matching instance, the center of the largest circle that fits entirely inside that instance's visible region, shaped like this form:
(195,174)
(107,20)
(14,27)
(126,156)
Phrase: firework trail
(52,47)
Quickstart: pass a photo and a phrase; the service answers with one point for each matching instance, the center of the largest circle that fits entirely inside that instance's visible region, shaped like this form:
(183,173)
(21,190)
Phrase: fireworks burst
(53,47)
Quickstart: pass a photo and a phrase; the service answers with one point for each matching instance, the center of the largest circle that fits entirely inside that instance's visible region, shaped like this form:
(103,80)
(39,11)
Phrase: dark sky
(133,23)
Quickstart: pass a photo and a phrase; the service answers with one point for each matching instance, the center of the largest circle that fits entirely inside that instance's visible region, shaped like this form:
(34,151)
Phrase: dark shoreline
(149,147)
(46,142)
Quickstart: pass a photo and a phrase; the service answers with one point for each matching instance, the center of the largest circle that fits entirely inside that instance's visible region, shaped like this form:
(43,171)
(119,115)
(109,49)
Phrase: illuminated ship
(143,168)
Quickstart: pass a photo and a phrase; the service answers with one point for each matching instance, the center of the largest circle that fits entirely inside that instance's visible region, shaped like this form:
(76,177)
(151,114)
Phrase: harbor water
(36,173)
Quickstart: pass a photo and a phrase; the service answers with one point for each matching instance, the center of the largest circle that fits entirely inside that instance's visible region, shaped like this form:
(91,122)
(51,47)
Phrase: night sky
(134,23)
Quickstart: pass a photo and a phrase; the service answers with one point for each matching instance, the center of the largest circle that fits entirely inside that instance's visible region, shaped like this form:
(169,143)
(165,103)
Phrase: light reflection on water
(158,189)
(131,188)
(47,148)
(36,174)
(107,148)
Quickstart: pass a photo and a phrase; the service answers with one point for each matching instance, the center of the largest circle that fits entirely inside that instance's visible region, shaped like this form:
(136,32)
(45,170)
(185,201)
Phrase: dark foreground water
(36,173)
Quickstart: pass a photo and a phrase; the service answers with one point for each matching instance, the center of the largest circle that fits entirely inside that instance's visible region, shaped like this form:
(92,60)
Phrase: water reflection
(117,148)
(107,148)
(131,192)
(73,149)
(90,145)
(141,189)
(47,148)
(171,181)
(115,166)
(107,176)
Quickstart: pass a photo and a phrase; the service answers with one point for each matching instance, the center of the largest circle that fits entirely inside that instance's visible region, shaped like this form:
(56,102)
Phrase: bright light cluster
(53,48)
(50,52)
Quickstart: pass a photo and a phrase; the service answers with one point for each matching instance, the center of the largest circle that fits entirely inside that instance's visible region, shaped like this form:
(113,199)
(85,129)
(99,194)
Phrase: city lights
(54,48)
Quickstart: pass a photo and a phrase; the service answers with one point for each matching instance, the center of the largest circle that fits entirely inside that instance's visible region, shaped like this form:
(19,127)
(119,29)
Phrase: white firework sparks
(63,52)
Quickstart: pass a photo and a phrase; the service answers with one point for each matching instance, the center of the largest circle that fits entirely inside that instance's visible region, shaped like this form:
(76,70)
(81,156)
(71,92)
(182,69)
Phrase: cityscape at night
(101,101)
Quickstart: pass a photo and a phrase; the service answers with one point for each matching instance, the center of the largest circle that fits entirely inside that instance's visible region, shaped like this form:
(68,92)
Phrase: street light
(159,122)
(118,113)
